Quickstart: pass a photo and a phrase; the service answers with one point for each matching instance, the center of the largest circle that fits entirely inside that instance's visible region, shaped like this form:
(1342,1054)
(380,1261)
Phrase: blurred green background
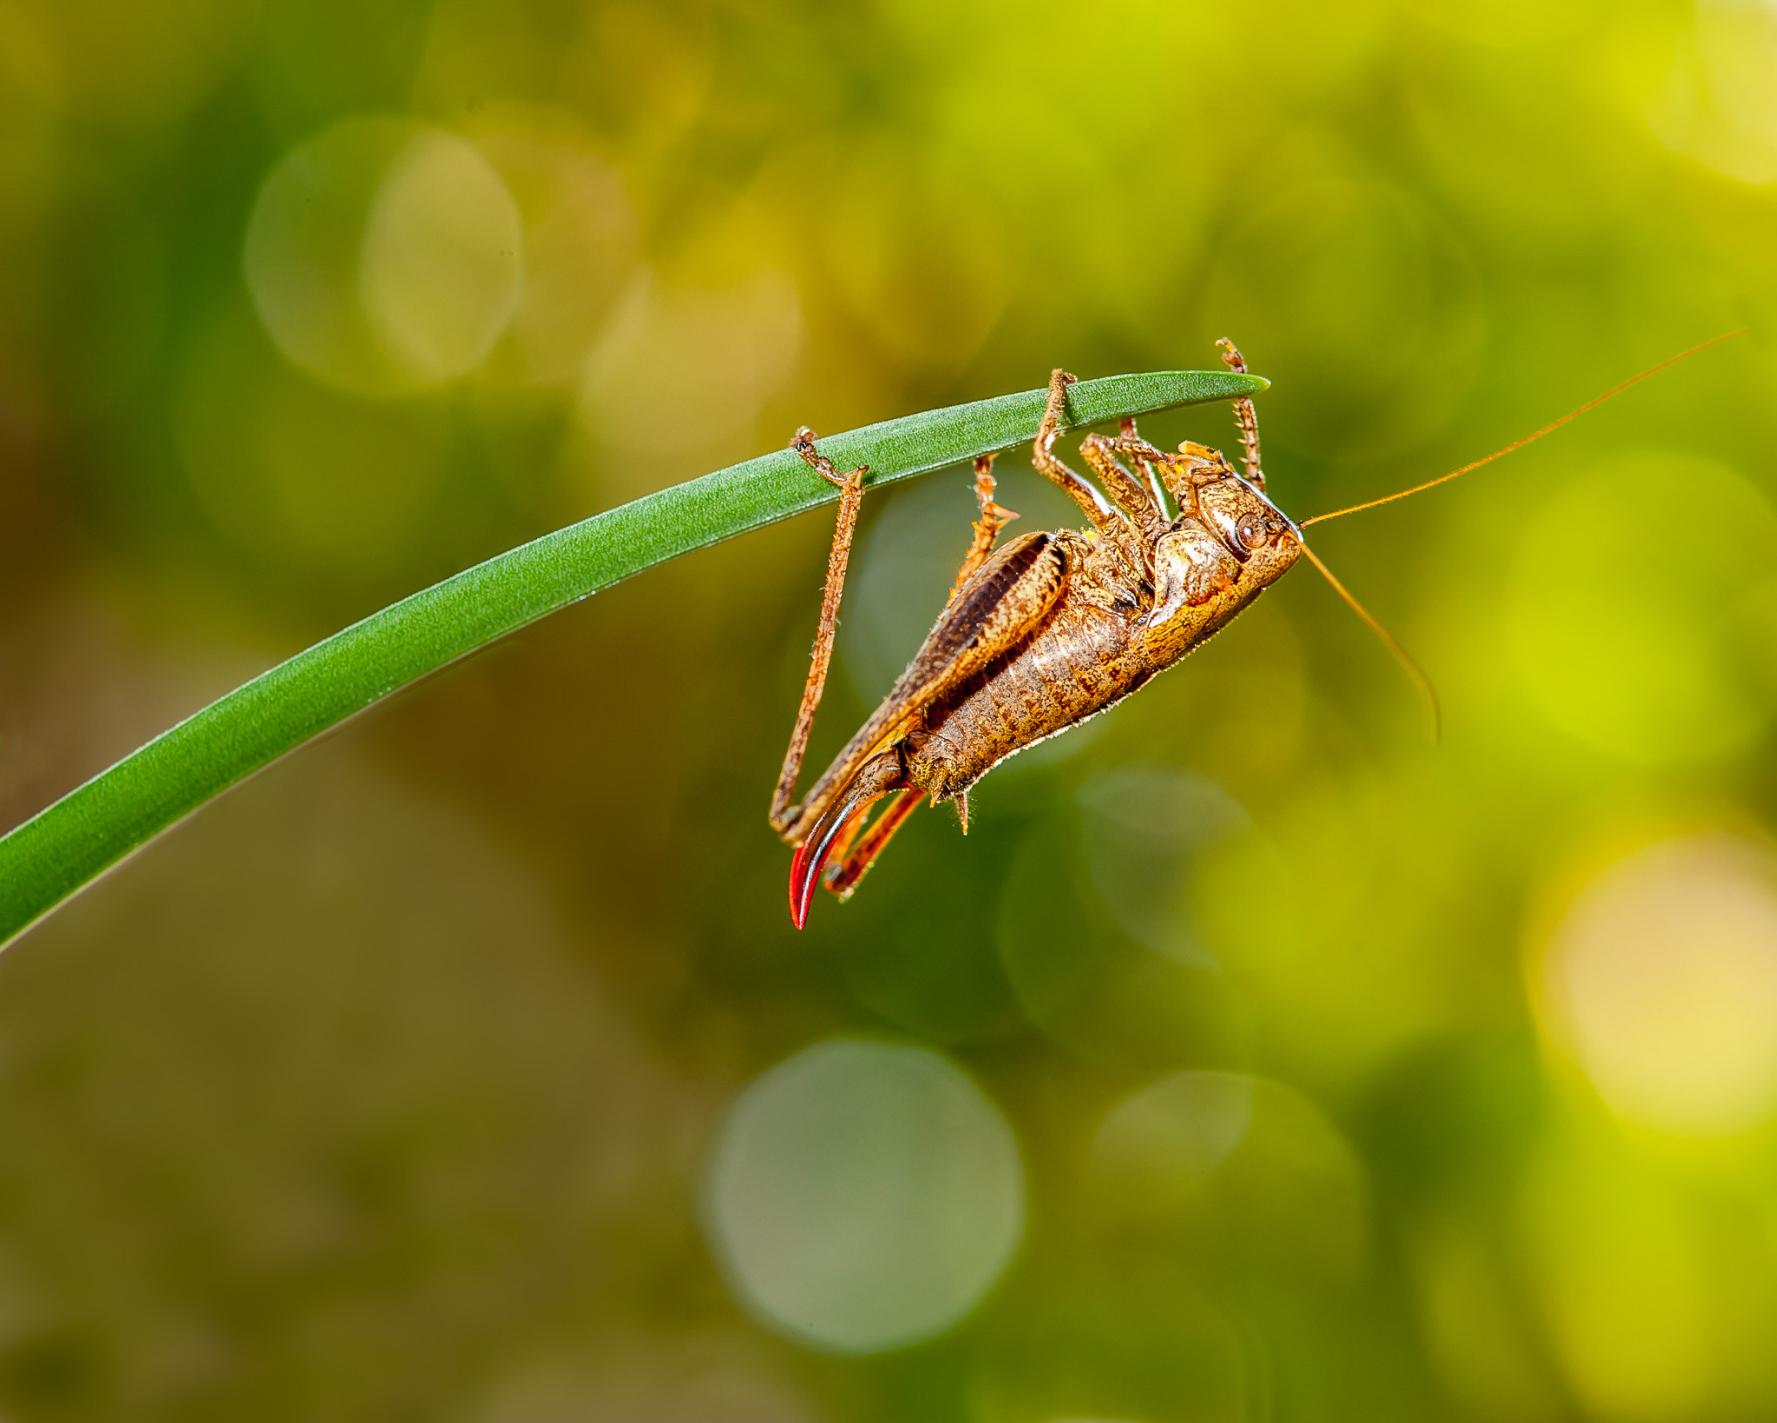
(1252,1059)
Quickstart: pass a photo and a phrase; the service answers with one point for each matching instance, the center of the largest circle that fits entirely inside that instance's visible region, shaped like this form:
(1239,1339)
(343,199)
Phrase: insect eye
(1250,531)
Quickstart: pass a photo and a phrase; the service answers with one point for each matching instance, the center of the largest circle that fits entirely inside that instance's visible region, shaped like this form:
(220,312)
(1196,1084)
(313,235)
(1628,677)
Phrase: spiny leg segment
(851,498)
(987,527)
(1245,416)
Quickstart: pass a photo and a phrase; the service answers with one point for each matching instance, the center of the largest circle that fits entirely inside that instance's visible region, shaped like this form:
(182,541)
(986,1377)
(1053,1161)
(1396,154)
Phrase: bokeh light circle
(580,241)
(384,255)
(1178,1129)
(1660,981)
(1081,980)
(1713,104)
(1240,1173)
(863,1195)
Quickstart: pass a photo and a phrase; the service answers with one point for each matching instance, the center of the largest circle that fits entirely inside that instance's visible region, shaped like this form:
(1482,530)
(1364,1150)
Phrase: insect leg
(1096,507)
(1129,493)
(1244,416)
(851,497)
(1146,458)
(987,527)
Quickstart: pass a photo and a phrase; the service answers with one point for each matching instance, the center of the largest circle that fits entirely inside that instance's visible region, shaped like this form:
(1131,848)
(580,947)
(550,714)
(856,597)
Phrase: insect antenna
(1531,438)
(1401,655)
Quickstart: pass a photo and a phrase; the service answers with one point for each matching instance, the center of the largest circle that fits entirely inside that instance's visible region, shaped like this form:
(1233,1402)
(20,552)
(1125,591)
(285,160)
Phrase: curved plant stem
(55,854)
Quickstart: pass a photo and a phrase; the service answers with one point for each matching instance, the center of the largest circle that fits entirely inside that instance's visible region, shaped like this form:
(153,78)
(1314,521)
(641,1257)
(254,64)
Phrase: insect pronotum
(1053,627)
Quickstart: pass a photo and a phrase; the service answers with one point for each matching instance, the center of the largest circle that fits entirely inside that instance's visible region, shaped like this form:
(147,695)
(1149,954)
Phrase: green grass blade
(62,849)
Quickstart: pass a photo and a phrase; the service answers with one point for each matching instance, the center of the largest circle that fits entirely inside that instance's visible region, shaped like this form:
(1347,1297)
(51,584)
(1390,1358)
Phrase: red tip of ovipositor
(812,854)
(802,879)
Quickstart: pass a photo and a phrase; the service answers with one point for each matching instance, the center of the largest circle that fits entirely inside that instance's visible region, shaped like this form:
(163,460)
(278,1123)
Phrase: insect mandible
(1053,627)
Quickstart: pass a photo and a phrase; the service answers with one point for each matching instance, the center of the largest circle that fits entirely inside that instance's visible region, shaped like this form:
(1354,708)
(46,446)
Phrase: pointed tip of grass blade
(1109,397)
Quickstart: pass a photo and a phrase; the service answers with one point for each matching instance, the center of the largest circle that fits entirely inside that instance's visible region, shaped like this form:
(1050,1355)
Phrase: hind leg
(851,497)
(855,848)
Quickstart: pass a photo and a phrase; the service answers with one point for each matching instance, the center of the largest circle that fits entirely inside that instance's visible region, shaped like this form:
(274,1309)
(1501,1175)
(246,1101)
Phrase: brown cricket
(1053,627)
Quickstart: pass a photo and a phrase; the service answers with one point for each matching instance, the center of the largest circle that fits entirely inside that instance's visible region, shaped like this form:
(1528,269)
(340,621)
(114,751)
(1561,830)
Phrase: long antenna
(1401,655)
(1519,444)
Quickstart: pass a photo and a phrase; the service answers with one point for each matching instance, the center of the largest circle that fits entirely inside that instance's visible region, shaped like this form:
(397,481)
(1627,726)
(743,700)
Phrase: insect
(1053,627)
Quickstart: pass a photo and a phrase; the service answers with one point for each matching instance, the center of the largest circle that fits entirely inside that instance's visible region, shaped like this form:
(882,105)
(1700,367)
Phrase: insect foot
(803,444)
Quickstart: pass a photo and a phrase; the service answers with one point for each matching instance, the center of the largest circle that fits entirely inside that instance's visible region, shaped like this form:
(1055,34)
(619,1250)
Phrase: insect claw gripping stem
(803,444)
(1081,490)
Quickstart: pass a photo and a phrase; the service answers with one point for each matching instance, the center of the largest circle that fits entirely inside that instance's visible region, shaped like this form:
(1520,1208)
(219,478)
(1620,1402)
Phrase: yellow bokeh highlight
(440,269)
(1659,980)
(685,362)
(384,256)
(31,86)
(580,241)
(1713,103)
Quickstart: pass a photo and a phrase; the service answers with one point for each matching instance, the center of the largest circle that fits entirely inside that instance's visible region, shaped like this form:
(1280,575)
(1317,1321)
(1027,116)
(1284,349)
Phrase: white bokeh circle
(863,1195)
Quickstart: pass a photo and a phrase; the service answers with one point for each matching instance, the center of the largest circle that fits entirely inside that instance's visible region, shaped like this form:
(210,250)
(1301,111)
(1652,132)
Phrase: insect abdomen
(1076,665)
